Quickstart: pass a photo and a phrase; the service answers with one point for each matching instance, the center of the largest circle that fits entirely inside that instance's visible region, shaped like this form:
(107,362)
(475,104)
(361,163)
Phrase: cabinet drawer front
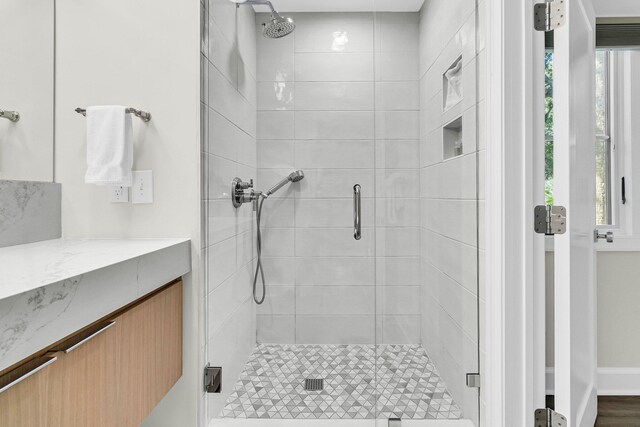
(24,400)
(110,374)
(149,353)
(14,378)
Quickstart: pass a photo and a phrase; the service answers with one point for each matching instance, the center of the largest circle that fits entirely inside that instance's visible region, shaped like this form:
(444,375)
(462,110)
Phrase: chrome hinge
(549,418)
(550,220)
(549,15)
(212,379)
(473,380)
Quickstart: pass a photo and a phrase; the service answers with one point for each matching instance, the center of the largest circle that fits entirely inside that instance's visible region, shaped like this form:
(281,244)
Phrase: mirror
(27,87)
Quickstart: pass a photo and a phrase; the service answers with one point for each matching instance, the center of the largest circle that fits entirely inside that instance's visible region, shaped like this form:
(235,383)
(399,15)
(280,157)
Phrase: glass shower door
(427,205)
(316,331)
(308,351)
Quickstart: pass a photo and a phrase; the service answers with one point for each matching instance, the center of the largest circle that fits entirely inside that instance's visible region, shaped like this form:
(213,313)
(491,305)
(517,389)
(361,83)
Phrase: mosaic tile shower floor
(406,385)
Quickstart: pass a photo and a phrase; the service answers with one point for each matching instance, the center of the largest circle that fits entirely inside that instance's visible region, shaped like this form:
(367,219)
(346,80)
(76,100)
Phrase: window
(604,169)
(603,143)
(548,127)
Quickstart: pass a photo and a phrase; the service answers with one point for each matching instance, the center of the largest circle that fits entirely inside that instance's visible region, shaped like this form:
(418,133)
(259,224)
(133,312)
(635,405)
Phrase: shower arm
(261,3)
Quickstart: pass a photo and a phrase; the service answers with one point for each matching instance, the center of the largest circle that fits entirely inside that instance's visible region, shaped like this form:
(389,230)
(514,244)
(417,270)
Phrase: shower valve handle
(245,185)
(239,196)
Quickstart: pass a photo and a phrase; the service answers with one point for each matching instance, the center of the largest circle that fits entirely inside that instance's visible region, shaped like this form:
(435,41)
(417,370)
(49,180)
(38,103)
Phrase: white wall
(26,85)
(449,234)
(618,314)
(339,99)
(142,54)
(229,151)
(618,8)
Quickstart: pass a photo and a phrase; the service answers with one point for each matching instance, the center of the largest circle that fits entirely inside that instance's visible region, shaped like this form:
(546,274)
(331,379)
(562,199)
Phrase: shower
(295,176)
(278,26)
(332,294)
(257,198)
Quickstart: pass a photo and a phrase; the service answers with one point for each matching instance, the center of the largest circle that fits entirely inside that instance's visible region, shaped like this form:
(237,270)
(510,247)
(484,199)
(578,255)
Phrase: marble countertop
(31,266)
(53,288)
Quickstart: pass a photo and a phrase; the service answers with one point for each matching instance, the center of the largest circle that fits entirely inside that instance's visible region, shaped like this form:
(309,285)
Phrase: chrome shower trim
(13,116)
(243,192)
(259,200)
(260,3)
(278,26)
(292,177)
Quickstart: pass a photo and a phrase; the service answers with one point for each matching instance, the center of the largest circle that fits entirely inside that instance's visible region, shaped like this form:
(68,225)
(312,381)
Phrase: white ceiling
(345,5)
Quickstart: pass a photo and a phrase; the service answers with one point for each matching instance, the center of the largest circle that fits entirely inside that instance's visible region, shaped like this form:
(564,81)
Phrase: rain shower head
(277,26)
(293,177)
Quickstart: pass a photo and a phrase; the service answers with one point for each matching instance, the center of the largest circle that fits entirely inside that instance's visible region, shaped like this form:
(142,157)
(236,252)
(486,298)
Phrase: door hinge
(212,379)
(549,15)
(549,418)
(473,380)
(550,220)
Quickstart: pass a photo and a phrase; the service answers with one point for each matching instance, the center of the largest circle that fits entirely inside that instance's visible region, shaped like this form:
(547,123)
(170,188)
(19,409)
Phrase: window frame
(608,137)
(622,132)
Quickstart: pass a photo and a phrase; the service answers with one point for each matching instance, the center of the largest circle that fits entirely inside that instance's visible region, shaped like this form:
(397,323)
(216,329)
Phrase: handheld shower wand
(293,177)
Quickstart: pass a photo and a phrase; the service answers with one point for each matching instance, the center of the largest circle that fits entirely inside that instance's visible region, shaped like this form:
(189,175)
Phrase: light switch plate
(142,189)
(118,194)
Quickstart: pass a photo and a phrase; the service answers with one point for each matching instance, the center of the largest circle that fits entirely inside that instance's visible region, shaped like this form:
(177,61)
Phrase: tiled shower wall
(228,150)
(449,205)
(339,98)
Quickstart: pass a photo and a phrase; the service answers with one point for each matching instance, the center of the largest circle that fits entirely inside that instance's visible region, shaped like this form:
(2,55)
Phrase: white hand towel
(109,146)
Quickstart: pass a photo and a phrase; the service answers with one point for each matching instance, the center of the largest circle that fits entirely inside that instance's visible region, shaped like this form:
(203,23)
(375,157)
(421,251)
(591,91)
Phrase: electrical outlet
(142,189)
(118,194)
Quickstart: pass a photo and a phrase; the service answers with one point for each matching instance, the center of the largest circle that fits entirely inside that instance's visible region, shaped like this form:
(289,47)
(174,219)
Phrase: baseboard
(611,381)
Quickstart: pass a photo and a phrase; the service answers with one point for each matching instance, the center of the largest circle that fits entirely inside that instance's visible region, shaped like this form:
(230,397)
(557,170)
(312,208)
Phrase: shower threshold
(240,422)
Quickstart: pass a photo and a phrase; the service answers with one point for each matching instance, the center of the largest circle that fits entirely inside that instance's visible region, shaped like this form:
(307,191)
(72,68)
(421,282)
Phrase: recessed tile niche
(452,139)
(452,85)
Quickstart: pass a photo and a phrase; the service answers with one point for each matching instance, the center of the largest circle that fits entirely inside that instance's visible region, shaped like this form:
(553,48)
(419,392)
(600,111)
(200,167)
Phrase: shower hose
(259,270)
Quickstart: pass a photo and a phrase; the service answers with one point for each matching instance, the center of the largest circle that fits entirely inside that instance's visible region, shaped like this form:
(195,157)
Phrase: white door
(574,188)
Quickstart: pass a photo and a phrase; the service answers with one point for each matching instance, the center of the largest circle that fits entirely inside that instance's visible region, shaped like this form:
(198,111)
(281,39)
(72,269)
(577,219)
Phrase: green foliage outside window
(603,144)
(548,127)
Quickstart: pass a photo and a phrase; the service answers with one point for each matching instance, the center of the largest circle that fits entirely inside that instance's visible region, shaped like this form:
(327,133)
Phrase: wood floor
(618,411)
(615,411)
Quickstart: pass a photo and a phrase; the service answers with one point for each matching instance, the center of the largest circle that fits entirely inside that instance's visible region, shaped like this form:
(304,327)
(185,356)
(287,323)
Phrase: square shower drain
(314,384)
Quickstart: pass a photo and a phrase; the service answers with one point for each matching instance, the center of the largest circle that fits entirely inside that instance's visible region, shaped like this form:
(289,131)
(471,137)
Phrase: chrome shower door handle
(357,212)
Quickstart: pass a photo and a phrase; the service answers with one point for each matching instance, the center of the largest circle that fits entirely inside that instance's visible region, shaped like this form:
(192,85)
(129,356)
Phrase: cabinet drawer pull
(93,335)
(26,375)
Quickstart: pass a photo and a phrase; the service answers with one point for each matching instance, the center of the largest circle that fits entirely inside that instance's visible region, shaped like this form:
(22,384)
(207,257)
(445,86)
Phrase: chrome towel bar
(14,116)
(144,115)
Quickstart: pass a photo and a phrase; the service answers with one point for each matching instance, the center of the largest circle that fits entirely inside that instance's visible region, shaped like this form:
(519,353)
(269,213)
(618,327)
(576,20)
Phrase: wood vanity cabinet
(111,374)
